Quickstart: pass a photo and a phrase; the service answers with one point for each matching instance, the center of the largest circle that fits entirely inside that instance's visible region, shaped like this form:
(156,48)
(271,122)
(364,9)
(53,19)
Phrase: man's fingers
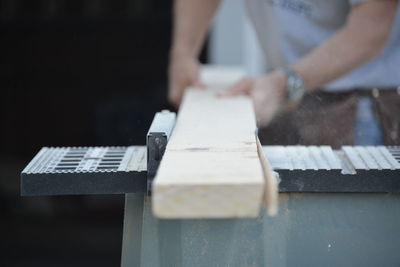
(242,87)
(199,84)
(175,93)
(174,98)
(176,90)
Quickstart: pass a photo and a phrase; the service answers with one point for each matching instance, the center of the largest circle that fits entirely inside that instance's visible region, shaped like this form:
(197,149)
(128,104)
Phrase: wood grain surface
(211,168)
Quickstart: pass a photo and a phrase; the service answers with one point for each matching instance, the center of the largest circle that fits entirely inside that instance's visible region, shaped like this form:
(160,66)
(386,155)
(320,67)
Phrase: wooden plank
(211,168)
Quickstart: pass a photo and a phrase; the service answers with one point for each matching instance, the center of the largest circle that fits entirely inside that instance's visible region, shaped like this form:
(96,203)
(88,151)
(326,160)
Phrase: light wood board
(211,168)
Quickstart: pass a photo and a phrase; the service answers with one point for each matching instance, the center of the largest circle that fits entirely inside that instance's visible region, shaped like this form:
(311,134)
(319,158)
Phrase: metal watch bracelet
(295,86)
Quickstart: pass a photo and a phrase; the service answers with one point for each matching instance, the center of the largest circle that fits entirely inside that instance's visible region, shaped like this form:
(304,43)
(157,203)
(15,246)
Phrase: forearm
(191,20)
(360,40)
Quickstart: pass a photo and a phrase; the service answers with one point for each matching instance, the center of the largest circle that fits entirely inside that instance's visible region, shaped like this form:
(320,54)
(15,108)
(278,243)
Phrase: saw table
(337,207)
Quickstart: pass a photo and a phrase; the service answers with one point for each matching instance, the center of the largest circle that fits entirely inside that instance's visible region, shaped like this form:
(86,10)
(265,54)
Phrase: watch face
(297,94)
(295,88)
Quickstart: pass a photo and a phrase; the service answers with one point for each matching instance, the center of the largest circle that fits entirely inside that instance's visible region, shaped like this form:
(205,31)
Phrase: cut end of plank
(196,201)
(271,183)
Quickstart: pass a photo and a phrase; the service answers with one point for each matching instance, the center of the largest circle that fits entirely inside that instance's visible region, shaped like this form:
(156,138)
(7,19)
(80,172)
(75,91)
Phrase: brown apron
(325,118)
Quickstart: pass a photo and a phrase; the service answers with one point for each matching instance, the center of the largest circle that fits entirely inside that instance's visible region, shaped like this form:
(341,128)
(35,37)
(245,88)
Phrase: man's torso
(289,29)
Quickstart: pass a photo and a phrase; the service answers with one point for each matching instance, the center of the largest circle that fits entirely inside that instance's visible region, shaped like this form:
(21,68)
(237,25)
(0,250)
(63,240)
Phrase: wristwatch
(295,88)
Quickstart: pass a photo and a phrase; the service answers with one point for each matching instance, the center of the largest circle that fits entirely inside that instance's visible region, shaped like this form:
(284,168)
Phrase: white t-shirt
(288,29)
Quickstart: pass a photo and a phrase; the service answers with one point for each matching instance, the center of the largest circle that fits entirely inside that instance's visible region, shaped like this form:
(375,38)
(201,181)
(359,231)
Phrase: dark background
(74,73)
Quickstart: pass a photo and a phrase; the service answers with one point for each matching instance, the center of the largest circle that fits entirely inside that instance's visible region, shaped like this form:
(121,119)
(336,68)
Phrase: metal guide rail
(119,170)
(350,169)
(85,170)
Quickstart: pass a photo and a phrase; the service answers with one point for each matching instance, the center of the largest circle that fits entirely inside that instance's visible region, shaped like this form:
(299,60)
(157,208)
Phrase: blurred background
(85,73)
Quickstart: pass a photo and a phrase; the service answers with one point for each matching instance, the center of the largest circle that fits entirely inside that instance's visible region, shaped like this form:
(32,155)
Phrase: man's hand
(267,92)
(183,72)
